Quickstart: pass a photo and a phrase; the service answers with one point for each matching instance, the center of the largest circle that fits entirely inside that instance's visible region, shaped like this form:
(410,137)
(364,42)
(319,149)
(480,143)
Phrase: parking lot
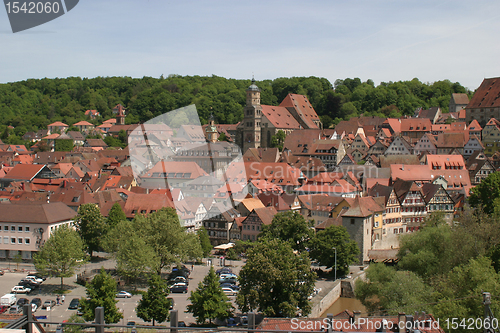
(60,313)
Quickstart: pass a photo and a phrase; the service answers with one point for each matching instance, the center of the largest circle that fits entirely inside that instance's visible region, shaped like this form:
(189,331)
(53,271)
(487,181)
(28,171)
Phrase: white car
(21,290)
(34,278)
(124,294)
(229,291)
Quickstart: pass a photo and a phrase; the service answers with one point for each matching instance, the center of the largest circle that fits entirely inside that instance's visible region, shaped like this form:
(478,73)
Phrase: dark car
(73,305)
(230,285)
(177,273)
(22,301)
(228,280)
(177,288)
(182,269)
(28,284)
(171,303)
(223,270)
(37,301)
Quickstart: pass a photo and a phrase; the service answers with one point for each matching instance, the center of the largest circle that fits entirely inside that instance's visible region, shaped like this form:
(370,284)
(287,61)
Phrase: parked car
(22,301)
(15,309)
(228,280)
(182,269)
(27,283)
(123,294)
(21,290)
(38,276)
(230,285)
(34,278)
(37,302)
(3,308)
(172,303)
(179,288)
(179,279)
(228,276)
(229,291)
(224,270)
(50,303)
(73,305)
(131,323)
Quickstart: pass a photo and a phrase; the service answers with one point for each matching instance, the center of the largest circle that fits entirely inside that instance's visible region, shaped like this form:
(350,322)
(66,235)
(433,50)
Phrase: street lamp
(335,263)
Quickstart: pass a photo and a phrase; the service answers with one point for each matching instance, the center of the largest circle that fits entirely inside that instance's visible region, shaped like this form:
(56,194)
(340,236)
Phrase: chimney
(402,322)
(357,315)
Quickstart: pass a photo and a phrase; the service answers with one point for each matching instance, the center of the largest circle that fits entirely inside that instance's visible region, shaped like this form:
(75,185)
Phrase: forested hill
(33,104)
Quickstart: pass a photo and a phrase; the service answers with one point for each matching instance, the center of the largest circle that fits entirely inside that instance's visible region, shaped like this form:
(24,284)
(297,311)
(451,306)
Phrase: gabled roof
(24,171)
(411,172)
(415,125)
(83,123)
(365,206)
(303,108)
(487,95)
(265,214)
(474,126)
(387,161)
(461,99)
(279,117)
(46,213)
(58,123)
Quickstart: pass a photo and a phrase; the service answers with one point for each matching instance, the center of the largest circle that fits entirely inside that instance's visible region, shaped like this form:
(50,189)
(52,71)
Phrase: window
(19,240)
(20,229)
(5,228)
(12,228)
(352,221)
(27,229)
(13,240)
(27,241)
(6,240)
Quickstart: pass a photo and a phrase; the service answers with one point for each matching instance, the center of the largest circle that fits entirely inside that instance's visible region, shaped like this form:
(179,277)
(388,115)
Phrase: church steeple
(212,134)
(252,118)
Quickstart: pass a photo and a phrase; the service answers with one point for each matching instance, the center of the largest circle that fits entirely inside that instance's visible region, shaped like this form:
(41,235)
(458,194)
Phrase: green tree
(278,140)
(154,304)
(208,301)
(170,241)
(275,280)
(485,193)
(206,246)
(291,227)
(322,248)
(388,291)
(76,319)
(91,226)
(115,215)
(63,145)
(101,291)
(61,254)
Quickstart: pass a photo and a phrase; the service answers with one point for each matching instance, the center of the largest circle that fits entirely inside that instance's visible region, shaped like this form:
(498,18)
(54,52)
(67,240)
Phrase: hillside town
(378,177)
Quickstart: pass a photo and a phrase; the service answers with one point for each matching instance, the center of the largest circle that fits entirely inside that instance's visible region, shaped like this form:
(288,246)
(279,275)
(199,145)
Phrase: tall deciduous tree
(485,193)
(91,226)
(322,248)
(170,242)
(115,215)
(275,280)
(208,301)
(291,227)
(154,304)
(101,291)
(206,246)
(61,254)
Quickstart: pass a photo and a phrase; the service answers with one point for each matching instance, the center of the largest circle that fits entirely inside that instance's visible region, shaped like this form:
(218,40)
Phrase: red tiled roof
(191,168)
(83,123)
(411,172)
(487,95)
(460,98)
(24,171)
(304,109)
(474,126)
(58,123)
(279,117)
(415,124)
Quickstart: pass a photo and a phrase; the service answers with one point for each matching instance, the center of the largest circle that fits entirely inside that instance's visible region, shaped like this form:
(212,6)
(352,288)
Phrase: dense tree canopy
(275,280)
(33,104)
(290,227)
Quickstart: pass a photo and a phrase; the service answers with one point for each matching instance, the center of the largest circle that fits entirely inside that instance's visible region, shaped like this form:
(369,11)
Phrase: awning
(224,246)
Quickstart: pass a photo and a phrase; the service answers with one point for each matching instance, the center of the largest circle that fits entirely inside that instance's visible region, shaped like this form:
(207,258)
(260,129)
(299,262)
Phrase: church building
(261,122)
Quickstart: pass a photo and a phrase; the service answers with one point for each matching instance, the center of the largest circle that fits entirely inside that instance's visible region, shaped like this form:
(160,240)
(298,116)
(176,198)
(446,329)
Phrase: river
(344,303)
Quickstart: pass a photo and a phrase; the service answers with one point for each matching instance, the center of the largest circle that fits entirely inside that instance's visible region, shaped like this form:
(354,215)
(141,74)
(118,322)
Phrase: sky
(381,40)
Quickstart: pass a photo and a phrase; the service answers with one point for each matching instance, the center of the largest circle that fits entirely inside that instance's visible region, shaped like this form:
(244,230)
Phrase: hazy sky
(373,39)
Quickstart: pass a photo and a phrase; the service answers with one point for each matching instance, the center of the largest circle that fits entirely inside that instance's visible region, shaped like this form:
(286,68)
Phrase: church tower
(212,134)
(120,114)
(252,117)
